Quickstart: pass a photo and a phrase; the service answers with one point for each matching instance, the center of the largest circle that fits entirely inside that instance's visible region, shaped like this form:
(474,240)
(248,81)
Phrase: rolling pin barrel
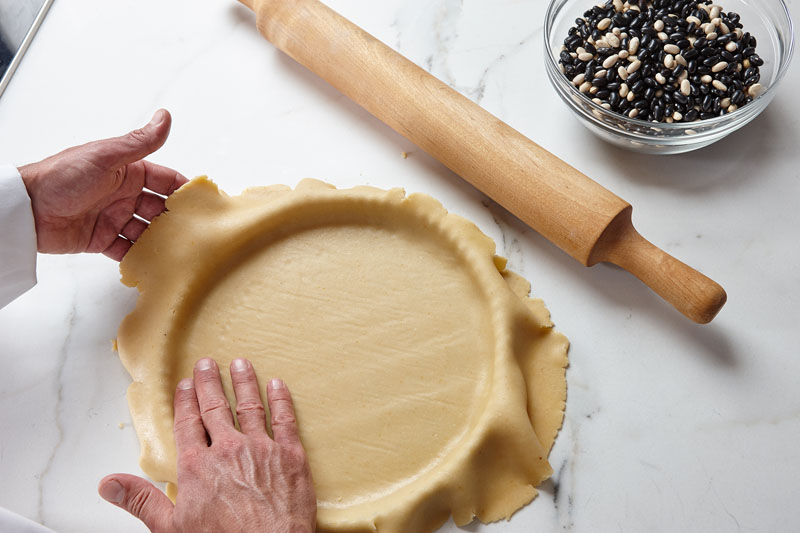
(577,214)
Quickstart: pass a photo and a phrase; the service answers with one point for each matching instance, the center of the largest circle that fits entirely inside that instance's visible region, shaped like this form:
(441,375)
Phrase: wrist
(29,175)
(30,178)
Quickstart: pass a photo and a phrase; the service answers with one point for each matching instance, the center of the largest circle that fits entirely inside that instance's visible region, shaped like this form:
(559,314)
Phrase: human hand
(84,198)
(242,481)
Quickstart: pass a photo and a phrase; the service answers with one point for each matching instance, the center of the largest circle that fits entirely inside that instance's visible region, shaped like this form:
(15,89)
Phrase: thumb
(136,145)
(140,498)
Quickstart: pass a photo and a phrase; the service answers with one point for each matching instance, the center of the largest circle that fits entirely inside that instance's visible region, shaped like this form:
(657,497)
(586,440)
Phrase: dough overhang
(426,382)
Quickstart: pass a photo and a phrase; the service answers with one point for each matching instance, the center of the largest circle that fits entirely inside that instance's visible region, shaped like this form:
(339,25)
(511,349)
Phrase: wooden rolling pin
(580,216)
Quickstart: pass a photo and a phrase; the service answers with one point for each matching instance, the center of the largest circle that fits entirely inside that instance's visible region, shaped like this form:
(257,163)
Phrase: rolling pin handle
(690,292)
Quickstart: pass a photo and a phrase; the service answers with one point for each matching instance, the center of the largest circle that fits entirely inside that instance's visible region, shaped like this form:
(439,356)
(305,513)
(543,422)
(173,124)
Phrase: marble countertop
(670,426)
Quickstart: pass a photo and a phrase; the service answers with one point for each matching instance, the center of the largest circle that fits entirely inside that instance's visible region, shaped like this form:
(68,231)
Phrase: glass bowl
(767,20)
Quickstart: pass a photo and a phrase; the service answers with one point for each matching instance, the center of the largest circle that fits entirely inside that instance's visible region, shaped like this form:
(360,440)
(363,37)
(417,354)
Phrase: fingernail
(204,364)
(277,384)
(186,384)
(158,118)
(112,491)
(239,365)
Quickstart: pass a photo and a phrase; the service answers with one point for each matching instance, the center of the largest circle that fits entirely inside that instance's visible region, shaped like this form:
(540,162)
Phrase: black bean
(658,113)
(737,98)
(691,54)
(752,80)
(602,94)
(708,51)
(756,60)
(680,98)
(621,20)
(690,115)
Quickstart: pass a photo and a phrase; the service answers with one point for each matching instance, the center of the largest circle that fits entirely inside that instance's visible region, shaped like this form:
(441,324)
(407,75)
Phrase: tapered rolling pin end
(714,302)
(249,3)
(695,295)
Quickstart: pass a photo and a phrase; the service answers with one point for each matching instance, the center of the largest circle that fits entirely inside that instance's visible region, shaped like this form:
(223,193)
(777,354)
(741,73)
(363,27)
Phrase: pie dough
(426,383)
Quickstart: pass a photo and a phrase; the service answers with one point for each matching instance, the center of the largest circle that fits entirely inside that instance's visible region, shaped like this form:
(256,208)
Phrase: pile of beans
(662,60)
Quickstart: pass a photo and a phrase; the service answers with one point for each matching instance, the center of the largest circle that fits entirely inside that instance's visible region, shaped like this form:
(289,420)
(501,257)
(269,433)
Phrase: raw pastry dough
(425,381)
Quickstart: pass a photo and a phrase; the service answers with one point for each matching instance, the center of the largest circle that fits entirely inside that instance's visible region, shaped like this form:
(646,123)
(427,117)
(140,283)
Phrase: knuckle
(245,378)
(229,445)
(283,418)
(138,502)
(298,454)
(250,406)
(138,135)
(185,396)
(209,375)
(186,421)
(214,404)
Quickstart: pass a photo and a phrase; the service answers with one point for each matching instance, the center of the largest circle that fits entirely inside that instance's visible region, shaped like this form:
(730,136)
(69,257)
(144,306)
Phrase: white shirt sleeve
(12,523)
(17,237)
(17,275)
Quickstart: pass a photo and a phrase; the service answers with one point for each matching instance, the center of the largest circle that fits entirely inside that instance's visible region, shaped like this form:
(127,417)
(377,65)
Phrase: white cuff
(13,523)
(17,237)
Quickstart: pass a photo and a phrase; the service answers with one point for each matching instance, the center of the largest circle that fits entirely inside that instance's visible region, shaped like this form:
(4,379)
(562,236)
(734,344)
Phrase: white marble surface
(670,426)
